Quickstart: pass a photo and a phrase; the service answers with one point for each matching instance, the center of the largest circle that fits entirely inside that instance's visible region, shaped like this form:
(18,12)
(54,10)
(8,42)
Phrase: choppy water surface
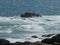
(20,29)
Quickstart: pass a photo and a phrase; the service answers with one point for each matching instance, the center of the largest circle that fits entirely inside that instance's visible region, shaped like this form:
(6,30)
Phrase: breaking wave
(20,29)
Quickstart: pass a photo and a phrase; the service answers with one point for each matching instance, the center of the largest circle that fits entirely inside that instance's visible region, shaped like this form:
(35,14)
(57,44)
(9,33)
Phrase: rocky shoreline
(55,40)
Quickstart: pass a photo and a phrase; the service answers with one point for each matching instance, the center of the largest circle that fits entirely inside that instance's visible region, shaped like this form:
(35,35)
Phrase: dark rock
(28,14)
(34,36)
(32,43)
(56,38)
(38,43)
(27,43)
(4,42)
(47,41)
(49,35)
(18,43)
(56,43)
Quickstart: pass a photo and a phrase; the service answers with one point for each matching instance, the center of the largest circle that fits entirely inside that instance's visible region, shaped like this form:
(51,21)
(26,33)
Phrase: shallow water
(19,29)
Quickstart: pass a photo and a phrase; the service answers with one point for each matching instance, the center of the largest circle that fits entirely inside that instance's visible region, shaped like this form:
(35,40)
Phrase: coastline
(55,40)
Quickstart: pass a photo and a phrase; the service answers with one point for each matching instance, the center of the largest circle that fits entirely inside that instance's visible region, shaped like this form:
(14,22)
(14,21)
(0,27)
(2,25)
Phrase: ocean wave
(20,27)
(6,31)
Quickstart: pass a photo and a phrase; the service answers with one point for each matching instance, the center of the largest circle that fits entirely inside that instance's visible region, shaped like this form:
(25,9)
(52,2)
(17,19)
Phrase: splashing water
(20,29)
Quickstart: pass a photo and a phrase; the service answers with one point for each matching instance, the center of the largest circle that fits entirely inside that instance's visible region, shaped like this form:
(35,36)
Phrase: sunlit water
(21,29)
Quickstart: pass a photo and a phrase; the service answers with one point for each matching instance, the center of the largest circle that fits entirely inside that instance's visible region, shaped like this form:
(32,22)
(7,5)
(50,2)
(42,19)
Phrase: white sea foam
(37,25)
(23,40)
(15,40)
(6,31)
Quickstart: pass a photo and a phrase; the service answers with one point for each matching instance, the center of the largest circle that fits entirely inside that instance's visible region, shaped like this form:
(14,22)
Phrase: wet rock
(34,36)
(6,42)
(49,35)
(32,43)
(3,41)
(56,38)
(28,14)
(47,41)
(18,43)
(56,43)
(27,43)
(38,43)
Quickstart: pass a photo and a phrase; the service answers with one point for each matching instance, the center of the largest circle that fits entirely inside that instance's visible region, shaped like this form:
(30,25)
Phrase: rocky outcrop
(28,14)
(34,36)
(47,41)
(4,42)
(54,40)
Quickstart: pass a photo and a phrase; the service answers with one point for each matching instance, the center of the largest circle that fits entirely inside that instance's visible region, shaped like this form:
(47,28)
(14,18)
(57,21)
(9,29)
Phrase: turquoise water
(16,7)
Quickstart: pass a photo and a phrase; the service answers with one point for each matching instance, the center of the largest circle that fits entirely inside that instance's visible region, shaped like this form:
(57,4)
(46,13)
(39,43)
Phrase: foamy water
(21,29)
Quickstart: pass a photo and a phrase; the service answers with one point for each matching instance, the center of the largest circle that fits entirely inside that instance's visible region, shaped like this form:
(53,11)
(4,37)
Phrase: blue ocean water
(16,7)
(15,28)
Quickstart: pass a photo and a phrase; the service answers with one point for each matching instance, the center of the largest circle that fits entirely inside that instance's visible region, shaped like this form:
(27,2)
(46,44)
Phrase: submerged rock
(28,14)
(34,36)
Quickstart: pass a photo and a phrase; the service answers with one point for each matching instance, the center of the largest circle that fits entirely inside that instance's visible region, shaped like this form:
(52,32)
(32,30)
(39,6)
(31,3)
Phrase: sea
(17,29)
(17,7)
